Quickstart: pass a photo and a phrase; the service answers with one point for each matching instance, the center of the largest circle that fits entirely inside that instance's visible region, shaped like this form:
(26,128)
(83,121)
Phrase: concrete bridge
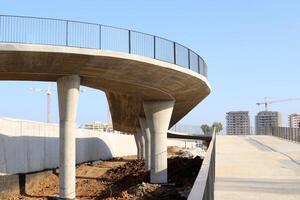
(257,167)
(150,82)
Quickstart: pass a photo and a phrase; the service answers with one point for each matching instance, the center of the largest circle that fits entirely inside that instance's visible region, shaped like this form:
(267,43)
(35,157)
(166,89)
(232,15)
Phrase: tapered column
(158,116)
(68,93)
(142,144)
(146,132)
(137,138)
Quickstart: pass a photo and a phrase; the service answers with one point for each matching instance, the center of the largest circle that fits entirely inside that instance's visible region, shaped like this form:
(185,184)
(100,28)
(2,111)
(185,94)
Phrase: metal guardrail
(186,128)
(177,135)
(203,188)
(47,31)
(291,134)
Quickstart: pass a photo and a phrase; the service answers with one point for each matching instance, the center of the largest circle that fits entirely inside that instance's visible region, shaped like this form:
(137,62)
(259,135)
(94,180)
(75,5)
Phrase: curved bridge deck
(257,167)
(129,66)
(150,82)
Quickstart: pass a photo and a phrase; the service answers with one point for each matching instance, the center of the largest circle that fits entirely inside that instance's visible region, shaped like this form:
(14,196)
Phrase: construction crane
(267,102)
(48,93)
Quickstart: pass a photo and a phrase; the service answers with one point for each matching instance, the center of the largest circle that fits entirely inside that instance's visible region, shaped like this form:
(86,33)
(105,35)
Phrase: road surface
(257,167)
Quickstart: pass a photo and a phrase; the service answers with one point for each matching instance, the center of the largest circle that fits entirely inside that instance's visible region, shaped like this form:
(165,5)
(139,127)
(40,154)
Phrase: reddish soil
(121,179)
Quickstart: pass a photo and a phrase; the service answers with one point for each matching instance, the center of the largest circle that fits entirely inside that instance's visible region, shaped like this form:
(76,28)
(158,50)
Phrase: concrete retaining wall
(27,146)
(13,185)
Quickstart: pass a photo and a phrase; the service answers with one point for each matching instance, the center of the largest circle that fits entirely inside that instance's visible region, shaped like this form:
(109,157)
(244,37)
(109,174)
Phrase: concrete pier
(147,138)
(142,138)
(158,116)
(68,93)
(137,138)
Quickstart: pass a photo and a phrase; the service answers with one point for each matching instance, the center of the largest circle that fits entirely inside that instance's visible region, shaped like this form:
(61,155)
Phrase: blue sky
(251,49)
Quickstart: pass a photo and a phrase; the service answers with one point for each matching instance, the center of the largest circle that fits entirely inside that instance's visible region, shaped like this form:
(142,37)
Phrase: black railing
(34,30)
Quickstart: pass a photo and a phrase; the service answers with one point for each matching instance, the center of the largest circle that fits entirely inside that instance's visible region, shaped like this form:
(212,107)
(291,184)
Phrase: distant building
(267,119)
(99,126)
(238,123)
(294,120)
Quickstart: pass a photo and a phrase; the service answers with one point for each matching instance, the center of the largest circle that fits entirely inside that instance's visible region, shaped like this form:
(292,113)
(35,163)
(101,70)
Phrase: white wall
(181,143)
(27,146)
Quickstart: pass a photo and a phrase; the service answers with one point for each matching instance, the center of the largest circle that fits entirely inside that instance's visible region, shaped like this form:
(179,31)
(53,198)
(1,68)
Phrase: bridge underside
(127,80)
(145,96)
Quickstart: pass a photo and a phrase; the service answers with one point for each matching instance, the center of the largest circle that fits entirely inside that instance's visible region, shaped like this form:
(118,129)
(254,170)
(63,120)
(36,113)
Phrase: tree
(206,129)
(218,126)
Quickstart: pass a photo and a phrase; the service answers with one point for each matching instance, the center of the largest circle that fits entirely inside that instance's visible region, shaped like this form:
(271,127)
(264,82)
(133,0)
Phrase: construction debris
(124,179)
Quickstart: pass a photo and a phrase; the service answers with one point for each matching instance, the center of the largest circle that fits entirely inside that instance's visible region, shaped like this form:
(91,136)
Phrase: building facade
(267,119)
(238,123)
(294,120)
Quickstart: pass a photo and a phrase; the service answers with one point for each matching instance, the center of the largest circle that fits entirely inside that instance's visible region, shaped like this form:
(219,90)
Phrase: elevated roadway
(150,82)
(257,168)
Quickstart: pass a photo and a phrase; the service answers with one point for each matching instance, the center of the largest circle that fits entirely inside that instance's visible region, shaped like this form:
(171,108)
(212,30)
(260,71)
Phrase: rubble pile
(124,179)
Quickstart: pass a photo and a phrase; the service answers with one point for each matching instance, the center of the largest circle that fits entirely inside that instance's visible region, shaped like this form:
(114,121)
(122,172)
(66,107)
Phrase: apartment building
(294,120)
(267,119)
(237,123)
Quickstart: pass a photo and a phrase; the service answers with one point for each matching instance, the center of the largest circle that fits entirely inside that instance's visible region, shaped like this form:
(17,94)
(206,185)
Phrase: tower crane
(48,92)
(267,102)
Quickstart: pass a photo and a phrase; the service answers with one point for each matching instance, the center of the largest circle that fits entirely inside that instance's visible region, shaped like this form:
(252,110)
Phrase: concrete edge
(201,183)
(99,52)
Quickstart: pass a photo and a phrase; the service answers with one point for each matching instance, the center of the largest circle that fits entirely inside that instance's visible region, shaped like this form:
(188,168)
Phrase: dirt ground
(123,178)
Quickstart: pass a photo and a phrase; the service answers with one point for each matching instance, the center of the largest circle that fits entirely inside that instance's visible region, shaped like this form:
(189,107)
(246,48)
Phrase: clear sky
(252,49)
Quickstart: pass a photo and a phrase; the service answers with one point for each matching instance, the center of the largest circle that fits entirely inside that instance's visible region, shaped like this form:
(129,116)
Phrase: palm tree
(218,127)
(206,129)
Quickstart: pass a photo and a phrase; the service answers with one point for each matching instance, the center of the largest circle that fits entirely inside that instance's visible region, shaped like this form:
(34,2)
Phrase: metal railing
(291,134)
(203,188)
(186,128)
(34,30)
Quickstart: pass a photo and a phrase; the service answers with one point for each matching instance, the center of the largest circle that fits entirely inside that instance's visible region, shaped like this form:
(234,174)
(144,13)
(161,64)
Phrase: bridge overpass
(257,167)
(150,82)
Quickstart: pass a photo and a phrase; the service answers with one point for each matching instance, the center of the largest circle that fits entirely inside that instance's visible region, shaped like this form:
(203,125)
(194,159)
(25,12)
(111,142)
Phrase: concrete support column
(142,142)
(68,93)
(137,138)
(142,139)
(158,116)
(146,133)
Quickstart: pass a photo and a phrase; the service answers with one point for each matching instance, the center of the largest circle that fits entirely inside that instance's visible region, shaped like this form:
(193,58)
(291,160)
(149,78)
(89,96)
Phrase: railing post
(129,41)
(189,59)
(100,37)
(285,135)
(67,27)
(174,49)
(154,47)
(198,57)
(0,27)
